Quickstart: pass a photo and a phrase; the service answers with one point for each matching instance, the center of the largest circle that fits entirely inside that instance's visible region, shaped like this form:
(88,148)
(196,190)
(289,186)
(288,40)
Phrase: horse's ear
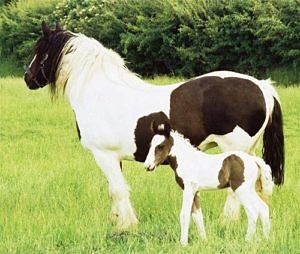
(46,30)
(58,27)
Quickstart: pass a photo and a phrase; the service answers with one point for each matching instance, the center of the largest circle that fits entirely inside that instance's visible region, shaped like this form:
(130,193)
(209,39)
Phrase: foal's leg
(185,214)
(264,215)
(239,140)
(198,217)
(248,199)
(122,211)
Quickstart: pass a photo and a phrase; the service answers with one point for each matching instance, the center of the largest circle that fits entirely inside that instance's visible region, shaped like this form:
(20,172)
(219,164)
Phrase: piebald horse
(114,109)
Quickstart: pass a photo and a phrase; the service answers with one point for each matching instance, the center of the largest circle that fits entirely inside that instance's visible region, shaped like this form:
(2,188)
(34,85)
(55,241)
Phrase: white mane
(181,144)
(85,58)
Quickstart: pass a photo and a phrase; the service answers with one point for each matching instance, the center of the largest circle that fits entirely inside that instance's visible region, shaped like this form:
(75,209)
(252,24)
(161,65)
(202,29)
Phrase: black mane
(53,46)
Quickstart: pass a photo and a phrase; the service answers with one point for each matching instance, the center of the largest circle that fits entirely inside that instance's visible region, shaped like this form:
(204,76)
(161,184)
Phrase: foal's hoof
(184,243)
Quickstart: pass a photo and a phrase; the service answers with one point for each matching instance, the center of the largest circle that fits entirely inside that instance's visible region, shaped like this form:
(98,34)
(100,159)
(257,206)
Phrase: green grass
(54,199)
(8,67)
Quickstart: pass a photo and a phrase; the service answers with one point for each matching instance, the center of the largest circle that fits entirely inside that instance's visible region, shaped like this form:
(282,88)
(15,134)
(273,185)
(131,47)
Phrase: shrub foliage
(181,37)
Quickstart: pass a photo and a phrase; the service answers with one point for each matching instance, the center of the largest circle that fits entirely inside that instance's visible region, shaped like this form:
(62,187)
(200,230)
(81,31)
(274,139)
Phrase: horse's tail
(273,139)
(265,177)
(273,144)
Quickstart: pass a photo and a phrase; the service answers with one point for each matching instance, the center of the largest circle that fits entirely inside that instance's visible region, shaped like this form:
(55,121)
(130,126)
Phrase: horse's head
(160,146)
(41,71)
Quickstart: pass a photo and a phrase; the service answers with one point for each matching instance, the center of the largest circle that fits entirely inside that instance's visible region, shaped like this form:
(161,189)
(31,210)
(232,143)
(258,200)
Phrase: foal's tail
(273,139)
(265,177)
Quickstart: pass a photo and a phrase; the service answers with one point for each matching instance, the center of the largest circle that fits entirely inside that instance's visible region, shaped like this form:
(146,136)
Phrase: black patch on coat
(213,105)
(144,133)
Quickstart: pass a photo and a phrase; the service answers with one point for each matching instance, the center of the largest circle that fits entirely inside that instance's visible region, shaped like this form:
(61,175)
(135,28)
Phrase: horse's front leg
(185,214)
(122,212)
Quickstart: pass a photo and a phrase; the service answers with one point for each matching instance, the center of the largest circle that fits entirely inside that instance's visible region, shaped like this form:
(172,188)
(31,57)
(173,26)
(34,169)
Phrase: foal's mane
(182,141)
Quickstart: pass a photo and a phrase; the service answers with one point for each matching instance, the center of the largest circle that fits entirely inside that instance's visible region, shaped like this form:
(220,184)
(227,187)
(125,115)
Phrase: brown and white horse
(114,109)
(196,171)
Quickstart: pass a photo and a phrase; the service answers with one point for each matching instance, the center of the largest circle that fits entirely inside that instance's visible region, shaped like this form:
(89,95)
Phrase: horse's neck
(86,64)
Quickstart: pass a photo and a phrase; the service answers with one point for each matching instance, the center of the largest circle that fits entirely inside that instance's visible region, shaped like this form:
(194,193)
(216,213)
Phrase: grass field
(54,199)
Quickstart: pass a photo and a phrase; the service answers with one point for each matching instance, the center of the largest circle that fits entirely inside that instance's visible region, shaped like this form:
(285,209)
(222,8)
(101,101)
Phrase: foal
(195,171)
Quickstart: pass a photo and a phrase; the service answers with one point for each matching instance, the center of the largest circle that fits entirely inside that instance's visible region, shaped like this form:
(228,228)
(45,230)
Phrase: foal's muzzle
(149,167)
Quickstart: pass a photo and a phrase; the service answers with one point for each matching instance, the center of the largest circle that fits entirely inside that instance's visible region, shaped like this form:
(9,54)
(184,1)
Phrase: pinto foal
(195,171)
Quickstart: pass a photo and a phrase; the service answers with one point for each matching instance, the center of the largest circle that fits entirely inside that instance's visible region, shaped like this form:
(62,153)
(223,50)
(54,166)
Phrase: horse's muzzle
(31,81)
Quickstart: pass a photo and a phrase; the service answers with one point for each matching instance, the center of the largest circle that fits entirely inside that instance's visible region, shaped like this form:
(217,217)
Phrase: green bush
(189,37)
(20,27)
(181,37)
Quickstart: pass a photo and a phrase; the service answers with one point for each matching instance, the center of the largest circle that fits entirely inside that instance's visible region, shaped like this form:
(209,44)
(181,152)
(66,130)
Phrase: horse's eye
(44,57)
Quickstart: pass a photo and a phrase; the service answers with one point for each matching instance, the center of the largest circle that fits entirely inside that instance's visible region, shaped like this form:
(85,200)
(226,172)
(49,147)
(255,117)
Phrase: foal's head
(160,146)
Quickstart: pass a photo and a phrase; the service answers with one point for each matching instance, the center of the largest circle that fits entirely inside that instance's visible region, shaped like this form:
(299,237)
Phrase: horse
(196,171)
(114,109)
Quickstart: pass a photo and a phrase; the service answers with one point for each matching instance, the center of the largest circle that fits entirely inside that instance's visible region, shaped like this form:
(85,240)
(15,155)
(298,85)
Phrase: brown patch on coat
(196,204)
(162,150)
(231,173)
(258,189)
(258,186)
(214,105)
(173,163)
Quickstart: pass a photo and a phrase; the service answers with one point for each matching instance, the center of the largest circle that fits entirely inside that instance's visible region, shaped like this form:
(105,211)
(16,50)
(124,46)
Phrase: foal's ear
(167,129)
(161,129)
(46,30)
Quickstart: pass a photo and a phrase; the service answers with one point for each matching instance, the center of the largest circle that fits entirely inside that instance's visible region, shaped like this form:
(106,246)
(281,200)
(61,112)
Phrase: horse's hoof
(125,223)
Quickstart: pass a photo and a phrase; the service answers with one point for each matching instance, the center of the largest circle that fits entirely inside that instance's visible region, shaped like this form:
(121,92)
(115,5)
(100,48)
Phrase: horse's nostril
(26,76)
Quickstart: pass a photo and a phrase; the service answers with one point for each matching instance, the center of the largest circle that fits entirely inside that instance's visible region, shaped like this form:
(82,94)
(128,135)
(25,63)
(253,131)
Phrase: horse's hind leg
(232,207)
(198,216)
(122,211)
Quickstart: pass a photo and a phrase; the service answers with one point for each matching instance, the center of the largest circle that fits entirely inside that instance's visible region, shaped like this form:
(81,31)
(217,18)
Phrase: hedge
(180,37)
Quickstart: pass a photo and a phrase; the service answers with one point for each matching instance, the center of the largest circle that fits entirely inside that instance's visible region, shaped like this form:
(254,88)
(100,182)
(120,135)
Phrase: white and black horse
(114,109)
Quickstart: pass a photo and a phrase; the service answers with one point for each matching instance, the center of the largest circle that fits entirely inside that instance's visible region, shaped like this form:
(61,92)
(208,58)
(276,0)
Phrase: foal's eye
(160,147)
